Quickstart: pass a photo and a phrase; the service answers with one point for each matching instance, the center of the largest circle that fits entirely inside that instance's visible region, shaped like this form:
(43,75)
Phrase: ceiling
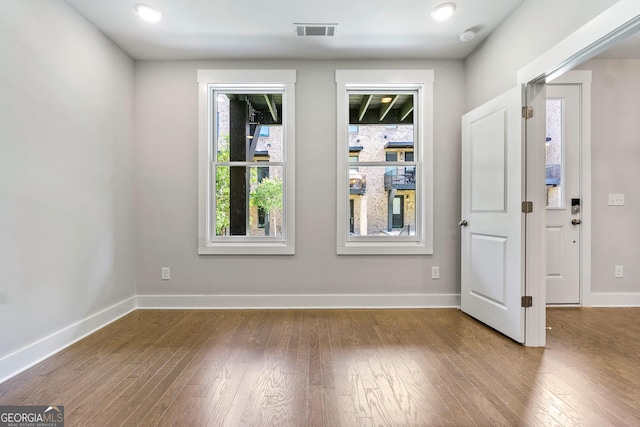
(249,29)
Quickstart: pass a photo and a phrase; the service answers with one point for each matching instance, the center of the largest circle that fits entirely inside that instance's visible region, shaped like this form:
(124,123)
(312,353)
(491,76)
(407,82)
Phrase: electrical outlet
(435,272)
(166,273)
(619,271)
(616,199)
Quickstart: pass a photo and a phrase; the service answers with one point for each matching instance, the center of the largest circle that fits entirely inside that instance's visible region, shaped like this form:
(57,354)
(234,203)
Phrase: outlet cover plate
(619,271)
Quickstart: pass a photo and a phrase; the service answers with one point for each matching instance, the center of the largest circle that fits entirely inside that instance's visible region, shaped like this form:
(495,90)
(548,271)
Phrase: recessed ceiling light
(443,11)
(148,13)
(386,99)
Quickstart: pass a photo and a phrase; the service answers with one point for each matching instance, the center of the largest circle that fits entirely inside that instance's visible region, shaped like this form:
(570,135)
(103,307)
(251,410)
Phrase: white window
(246,162)
(386,205)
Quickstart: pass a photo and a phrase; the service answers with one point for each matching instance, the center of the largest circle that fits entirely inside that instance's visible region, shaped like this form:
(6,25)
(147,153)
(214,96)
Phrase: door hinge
(527,301)
(527,207)
(527,112)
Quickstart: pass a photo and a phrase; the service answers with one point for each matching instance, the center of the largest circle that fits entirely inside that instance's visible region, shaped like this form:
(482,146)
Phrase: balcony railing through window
(400,178)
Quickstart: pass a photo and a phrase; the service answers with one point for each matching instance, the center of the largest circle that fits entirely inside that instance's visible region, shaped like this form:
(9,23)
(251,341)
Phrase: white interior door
(492,220)
(563,194)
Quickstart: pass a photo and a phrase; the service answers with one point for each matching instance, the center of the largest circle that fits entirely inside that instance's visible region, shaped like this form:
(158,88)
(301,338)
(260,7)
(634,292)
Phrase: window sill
(246,249)
(384,248)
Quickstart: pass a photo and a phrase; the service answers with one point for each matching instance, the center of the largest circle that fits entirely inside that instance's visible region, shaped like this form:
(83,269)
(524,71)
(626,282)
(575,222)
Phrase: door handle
(576,222)
(463,223)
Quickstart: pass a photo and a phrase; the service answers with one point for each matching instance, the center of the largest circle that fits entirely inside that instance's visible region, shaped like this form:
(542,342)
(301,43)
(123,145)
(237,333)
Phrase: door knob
(576,222)
(463,223)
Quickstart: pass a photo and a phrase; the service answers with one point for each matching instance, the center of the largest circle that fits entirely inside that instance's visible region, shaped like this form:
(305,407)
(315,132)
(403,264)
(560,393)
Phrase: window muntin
(247,164)
(393,215)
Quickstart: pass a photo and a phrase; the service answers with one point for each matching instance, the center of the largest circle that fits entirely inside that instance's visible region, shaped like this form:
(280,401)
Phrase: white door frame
(618,21)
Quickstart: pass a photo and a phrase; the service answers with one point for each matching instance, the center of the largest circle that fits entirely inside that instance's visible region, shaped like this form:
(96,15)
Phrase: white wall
(166,194)
(532,29)
(66,129)
(615,153)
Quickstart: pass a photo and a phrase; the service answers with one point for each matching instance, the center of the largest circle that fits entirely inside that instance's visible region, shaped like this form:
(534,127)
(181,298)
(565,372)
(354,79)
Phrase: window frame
(209,82)
(420,81)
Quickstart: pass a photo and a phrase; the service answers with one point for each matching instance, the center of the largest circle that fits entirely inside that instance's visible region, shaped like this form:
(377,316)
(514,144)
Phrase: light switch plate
(166,273)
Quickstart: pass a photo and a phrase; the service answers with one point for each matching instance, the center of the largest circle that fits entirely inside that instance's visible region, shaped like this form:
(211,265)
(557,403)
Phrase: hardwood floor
(341,368)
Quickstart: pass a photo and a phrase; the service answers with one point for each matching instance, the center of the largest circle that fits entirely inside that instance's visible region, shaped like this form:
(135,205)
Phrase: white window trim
(208,81)
(422,81)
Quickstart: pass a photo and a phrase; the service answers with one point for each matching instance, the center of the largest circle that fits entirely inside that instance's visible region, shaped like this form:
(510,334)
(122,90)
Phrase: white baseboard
(614,300)
(22,359)
(300,301)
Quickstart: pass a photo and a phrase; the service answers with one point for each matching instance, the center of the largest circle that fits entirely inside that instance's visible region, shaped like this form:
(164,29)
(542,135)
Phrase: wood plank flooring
(423,367)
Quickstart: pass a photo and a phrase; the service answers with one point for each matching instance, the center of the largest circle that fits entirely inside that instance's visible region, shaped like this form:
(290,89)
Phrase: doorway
(619,21)
(563,201)
(397,217)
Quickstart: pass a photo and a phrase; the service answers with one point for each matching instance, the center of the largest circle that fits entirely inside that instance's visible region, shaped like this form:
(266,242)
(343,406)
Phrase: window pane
(383,127)
(554,149)
(382,201)
(249,127)
(259,214)
(266,201)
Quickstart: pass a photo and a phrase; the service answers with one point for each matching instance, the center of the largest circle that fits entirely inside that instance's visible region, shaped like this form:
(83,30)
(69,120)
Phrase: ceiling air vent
(326,30)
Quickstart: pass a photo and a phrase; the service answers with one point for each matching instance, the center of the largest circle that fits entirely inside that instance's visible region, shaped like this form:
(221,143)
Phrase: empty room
(314,214)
